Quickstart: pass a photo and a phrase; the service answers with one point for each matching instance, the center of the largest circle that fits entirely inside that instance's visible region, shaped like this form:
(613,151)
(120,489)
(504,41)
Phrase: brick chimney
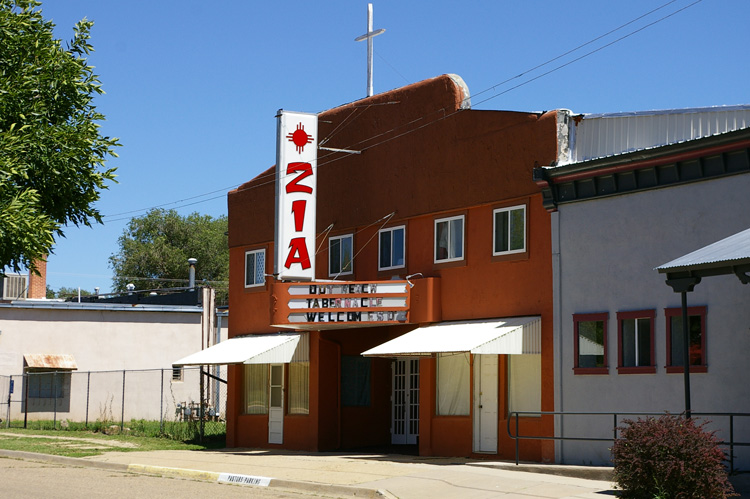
(38,283)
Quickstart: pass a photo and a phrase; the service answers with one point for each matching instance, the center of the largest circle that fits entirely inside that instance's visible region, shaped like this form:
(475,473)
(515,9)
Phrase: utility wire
(385,220)
(223,189)
(442,112)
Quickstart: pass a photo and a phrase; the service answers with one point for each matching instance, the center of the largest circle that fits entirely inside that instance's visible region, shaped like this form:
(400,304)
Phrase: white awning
(250,349)
(517,335)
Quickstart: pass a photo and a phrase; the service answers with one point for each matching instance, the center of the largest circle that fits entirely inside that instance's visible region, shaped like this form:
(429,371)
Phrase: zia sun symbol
(300,137)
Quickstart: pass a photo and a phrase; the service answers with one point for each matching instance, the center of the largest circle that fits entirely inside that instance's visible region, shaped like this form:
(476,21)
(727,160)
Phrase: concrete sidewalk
(359,475)
(349,475)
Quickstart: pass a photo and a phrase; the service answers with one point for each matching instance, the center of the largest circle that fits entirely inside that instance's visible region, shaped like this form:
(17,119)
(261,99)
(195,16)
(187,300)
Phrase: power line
(440,112)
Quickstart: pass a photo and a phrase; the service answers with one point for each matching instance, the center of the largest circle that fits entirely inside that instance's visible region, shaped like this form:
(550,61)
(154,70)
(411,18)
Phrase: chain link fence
(181,403)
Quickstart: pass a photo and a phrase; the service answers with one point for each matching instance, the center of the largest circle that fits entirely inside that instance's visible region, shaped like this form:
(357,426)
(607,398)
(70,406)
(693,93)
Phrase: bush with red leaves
(669,457)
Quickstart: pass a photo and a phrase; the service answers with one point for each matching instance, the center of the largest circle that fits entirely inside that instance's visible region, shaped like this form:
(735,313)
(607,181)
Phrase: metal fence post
(25,399)
(615,425)
(201,406)
(54,398)
(7,420)
(122,416)
(731,443)
(88,395)
(161,404)
(517,439)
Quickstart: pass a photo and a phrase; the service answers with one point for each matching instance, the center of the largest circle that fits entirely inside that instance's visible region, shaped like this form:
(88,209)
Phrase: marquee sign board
(328,305)
(296,192)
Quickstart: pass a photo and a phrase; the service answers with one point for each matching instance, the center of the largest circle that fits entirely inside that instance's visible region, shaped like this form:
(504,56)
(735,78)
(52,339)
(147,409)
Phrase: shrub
(669,457)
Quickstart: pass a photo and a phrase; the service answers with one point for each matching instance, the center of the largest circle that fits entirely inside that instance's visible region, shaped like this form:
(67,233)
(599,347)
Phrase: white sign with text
(296,193)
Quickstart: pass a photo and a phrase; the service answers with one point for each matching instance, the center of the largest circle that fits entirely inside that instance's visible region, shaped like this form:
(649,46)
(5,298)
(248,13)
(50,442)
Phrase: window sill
(637,370)
(446,264)
(680,370)
(518,256)
(591,370)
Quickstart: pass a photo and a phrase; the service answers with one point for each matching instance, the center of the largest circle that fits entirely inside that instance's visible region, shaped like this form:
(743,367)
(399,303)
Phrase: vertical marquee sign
(296,190)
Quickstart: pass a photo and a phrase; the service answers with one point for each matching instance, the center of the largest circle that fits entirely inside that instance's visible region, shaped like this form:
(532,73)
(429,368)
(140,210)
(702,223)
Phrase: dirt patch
(97,442)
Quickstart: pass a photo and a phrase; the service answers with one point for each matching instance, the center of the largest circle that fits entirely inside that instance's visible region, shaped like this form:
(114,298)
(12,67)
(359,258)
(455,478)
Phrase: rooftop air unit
(14,286)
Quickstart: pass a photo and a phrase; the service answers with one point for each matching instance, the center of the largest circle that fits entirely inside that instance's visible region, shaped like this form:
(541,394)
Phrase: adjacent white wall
(604,262)
(104,338)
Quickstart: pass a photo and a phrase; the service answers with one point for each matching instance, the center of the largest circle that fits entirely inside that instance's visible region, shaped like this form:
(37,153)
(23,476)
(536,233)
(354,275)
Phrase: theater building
(429,314)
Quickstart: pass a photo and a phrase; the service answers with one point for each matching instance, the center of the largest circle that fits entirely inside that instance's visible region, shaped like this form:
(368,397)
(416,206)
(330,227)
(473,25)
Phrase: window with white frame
(525,384)
(256,388)
(509,227)
(449,239)
(340,255)
(453,374)
(392,248)
(255,268)
(299,387)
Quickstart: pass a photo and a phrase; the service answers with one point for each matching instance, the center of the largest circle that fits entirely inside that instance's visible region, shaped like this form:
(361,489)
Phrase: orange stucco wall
(466,162)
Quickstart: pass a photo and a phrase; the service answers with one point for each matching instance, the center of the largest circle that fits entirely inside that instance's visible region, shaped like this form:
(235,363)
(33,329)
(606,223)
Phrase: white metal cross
(369,36)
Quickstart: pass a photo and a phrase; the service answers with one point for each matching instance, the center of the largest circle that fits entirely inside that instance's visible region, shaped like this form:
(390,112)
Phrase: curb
(329,490)
(249,480)
(601,473)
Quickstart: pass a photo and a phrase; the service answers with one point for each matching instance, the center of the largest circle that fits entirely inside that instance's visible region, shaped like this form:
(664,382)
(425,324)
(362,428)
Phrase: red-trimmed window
(635,342)
(696,336)
(590,343)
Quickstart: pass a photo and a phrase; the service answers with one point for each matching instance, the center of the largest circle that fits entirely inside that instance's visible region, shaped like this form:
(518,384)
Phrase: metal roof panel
(733,249)
(605,135)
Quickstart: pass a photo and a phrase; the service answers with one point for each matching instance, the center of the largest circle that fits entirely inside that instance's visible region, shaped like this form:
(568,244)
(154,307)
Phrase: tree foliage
(65,292)
(154,250)
(52,155)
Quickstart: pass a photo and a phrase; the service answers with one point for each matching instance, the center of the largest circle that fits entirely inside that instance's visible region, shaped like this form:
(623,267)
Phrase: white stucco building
(640,190)
(104,356)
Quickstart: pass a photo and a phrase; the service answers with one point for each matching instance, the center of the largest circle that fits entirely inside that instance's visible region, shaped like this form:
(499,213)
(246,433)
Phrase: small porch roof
(730,255)
(61,362)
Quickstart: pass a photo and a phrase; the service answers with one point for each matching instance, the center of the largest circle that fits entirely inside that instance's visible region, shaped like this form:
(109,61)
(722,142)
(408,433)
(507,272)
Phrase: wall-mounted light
(411,284)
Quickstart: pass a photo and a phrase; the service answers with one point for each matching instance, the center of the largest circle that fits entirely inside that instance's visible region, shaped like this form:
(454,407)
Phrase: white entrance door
(276,405)
(405,397)
(485,403)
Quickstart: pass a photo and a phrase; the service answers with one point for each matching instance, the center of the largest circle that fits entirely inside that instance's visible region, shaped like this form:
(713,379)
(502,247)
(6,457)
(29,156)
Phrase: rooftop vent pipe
(191,282)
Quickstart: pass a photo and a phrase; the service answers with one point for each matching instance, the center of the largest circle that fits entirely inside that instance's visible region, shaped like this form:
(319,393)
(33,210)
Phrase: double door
(405,402)
(276,404)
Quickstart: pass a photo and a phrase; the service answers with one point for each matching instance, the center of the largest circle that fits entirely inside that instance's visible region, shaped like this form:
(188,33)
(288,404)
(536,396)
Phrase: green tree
(64,292)
(154,249)
(52,154)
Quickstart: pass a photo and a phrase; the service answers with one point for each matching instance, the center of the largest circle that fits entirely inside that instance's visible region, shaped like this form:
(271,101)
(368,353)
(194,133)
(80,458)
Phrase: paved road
(34,480)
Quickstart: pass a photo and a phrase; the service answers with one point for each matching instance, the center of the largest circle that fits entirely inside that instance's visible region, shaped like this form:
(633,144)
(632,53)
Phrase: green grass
(75,440)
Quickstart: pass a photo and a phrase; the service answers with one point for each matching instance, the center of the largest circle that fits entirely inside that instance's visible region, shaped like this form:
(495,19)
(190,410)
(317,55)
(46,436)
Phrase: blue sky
(192,87)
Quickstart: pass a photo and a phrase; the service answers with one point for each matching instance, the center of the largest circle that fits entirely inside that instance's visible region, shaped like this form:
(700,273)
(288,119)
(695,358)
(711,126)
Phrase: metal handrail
(514,415)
